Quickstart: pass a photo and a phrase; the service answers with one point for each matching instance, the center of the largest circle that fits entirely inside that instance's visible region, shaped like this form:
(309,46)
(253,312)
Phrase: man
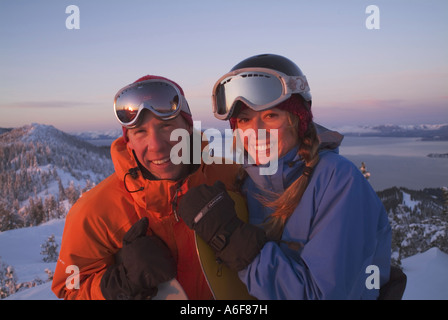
(124,236)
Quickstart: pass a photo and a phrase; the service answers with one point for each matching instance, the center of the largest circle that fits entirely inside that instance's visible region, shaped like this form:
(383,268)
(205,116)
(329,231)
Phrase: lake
(401,162)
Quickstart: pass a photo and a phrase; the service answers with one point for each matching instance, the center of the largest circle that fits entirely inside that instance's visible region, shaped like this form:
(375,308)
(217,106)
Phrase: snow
(362,129)
(426,272)
(41,292)
(427,276)
(356,129)
(20,248)
(408,202)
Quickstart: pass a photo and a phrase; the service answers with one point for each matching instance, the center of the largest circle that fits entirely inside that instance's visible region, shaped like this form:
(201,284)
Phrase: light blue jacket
(340,225)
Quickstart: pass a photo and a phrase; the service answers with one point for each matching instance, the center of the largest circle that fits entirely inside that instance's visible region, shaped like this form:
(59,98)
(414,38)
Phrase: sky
(396,73)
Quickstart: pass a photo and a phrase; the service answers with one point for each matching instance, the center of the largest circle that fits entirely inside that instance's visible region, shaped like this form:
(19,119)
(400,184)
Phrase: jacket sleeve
(349,231)
(88,246)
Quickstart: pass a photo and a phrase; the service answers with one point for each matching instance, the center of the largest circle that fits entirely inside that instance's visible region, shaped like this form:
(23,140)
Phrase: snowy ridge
(426,131)
(427,276)
(392,127)
(98,135)
(42,173)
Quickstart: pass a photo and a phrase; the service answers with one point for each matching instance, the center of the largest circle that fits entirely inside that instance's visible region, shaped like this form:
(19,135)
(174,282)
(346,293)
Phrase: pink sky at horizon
(68,78)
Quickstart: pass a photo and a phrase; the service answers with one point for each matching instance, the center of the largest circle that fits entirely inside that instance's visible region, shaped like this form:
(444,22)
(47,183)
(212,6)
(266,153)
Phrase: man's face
(152,146)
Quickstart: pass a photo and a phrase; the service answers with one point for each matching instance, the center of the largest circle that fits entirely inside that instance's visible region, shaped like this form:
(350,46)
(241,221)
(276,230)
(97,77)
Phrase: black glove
(141,265)
(210,212)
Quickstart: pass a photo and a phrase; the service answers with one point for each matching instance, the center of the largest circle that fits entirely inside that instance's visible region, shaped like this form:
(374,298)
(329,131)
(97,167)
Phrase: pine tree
(9,219)
(5,218)
(50,274)
(36,213)
(50,208)
(8,280)
(445,202)
(49,250)
(61,195)
(72,193)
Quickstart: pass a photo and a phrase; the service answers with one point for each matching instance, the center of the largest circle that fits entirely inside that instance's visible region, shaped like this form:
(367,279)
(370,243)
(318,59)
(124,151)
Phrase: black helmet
(275,62)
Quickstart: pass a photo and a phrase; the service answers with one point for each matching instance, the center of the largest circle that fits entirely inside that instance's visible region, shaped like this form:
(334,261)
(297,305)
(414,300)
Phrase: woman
(327,233)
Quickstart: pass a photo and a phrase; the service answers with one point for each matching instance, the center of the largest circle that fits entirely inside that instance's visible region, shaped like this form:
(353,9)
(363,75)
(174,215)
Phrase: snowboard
(223,282)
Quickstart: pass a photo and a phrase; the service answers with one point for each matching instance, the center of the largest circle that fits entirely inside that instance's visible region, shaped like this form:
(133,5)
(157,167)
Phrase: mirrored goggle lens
(155,96)
(257,88)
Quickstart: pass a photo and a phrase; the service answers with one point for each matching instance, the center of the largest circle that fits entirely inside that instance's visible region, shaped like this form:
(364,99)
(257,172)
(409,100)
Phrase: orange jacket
(97,222)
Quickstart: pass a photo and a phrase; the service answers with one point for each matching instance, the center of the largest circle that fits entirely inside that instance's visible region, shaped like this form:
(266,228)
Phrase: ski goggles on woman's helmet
(159,96)
(258,88)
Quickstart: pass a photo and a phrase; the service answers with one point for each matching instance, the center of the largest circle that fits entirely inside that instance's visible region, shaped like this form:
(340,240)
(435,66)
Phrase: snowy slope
(41,292)
(20,248)
(427,272)
(428,131)
(43,171)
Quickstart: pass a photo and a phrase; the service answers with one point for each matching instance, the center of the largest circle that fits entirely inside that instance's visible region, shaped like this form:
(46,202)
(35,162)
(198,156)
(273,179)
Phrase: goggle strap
(297,84)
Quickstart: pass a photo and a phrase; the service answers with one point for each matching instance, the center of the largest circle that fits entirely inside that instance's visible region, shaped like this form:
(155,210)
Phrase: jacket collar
(150,193)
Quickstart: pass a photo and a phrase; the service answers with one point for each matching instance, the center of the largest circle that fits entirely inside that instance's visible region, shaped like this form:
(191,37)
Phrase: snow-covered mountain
(43,171)
(424,131)
(98,135)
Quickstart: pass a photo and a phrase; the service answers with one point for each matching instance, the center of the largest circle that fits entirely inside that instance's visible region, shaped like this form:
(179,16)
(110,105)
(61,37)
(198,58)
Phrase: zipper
(174,202)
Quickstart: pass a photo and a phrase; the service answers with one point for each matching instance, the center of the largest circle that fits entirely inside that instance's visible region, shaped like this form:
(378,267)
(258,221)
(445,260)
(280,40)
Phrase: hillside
(424,131)
(419,220)
(43,171)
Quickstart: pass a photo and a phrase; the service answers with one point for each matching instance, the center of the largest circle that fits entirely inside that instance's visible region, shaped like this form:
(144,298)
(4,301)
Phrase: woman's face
(279,133)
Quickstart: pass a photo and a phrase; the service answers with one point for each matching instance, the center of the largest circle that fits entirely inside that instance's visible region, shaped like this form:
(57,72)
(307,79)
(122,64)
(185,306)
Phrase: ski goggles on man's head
(159,96)
(258,88)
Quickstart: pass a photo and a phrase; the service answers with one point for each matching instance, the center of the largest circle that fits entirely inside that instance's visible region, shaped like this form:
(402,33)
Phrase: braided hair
(300,118)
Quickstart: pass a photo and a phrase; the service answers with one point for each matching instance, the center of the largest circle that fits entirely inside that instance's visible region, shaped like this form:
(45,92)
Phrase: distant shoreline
(438,155)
